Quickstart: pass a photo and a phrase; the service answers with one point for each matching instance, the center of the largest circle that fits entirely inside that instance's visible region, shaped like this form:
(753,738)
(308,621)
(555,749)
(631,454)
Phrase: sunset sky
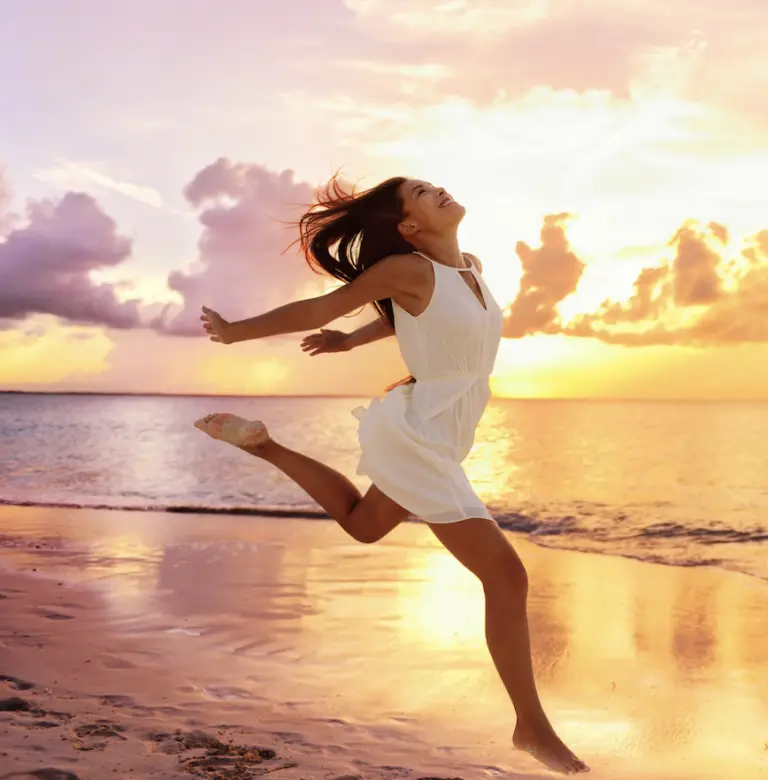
(612,155)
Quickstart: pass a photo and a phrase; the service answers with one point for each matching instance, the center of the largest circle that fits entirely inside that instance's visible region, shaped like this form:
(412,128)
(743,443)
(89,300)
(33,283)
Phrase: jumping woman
(395,246)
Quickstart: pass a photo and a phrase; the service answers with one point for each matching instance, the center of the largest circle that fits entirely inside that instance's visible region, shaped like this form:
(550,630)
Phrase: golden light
(268,375)
(129,574)
(147,287)
(226,372)
(45,351)
(445,606)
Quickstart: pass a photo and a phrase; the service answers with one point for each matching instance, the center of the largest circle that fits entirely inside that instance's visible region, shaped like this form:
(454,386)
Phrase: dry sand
(157,645)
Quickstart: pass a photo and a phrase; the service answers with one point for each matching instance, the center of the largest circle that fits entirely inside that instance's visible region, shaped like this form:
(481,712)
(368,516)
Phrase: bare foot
(545,746)
(234,430)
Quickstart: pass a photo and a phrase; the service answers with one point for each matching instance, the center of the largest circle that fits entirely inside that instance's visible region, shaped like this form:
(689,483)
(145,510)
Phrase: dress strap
(426,257)
(434,262)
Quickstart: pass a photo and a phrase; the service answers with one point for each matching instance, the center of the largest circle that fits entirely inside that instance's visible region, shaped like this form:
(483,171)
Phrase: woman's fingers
(317,343)
(208,325)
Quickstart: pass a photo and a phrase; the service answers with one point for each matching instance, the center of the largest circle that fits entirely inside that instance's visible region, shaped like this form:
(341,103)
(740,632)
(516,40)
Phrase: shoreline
(307,513)
(367,656)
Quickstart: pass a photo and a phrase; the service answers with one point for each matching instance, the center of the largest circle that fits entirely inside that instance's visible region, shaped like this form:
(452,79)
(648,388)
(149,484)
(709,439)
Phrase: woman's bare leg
(478,544)
(481,546)
(365,518)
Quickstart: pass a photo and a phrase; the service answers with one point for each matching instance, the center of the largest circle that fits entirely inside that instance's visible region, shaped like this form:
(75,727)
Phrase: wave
(199,509)
(666,543)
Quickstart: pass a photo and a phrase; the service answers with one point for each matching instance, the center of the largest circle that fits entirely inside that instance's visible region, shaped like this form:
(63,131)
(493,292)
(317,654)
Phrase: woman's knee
(367,533)
(506,574)
(371,519)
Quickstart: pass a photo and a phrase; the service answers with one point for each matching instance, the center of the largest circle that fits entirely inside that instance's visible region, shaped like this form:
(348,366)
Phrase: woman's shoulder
(475,260)
(411,264)
(399,272)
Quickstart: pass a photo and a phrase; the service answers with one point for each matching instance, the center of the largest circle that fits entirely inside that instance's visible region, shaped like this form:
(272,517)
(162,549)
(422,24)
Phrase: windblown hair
(346,232)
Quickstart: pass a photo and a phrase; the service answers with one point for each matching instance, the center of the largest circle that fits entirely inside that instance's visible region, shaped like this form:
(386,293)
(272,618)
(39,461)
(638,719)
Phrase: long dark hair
(345,232)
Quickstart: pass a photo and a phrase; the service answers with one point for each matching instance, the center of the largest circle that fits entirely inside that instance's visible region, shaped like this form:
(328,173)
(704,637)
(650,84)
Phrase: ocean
(684,484)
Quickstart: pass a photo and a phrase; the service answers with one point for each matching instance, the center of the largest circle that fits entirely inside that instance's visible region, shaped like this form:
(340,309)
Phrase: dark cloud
(46,262)
(243,268)
(550,274)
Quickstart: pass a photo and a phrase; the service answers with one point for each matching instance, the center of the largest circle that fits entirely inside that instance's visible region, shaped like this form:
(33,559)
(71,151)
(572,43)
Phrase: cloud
(599,44)
(522,139)
(426,71)
(450,17)
(702,295)
(6,196)
(698,298)
(45,265)
(695,268)
(243,268)
(550,274)
(72,175)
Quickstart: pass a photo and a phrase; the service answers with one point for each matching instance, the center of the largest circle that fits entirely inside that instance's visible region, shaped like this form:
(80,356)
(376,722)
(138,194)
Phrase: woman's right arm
(327,341)
(373,331)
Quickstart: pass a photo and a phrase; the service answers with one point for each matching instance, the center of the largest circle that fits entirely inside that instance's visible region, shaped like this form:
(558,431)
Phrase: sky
(612,156)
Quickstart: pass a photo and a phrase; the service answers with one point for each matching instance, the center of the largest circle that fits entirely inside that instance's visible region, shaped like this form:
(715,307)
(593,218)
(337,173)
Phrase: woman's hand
(325,341)
(216,326)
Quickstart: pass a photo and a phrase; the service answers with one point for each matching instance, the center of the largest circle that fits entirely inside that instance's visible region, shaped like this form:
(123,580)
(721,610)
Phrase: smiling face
(428,209)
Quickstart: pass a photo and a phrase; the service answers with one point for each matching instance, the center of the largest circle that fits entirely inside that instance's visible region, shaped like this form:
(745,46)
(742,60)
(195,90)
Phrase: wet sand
(136,643)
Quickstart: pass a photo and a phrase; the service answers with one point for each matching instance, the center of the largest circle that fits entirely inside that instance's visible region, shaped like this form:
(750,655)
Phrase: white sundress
(415,438)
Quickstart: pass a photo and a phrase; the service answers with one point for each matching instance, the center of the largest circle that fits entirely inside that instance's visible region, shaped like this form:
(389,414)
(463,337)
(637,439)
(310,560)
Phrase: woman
(395,246)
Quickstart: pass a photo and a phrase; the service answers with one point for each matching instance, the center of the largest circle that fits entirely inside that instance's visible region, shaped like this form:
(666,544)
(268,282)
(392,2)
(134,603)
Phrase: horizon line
(605,399)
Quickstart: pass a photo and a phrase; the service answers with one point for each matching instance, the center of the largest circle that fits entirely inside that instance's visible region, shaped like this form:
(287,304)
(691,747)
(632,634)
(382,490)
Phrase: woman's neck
(443,249)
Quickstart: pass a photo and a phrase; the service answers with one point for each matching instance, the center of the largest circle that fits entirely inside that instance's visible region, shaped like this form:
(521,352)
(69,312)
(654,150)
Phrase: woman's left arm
(383,280)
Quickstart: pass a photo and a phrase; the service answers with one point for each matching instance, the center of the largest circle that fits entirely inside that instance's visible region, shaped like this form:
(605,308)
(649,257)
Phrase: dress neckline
(453,267)
(480,298)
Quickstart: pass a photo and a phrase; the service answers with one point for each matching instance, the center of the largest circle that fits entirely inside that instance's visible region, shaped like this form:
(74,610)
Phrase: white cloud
(72,175)
(667,71)
(450,17)
(425,71)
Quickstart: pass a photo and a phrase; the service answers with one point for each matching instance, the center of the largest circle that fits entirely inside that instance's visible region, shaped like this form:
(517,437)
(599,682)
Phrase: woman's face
(428,209)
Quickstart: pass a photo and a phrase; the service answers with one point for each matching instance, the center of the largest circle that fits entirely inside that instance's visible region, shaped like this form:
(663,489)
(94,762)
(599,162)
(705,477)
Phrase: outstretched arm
(390,277)
(373,331)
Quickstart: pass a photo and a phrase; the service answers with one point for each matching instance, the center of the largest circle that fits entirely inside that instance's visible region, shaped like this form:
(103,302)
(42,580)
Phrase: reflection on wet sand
(653,671)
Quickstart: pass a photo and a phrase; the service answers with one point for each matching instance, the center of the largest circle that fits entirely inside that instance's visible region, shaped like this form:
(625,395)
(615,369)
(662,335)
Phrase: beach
(135,643)
(552,218)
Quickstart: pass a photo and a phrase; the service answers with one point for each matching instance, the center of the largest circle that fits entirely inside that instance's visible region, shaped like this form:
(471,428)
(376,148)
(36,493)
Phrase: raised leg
(481,546)
(365,518)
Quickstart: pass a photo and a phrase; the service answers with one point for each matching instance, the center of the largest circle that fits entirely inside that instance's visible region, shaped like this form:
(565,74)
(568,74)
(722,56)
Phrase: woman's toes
(208,423)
